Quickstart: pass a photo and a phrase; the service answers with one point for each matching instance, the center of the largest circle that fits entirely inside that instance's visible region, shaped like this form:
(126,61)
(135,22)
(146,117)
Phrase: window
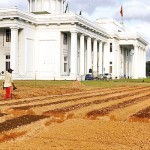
(110,69)
(7,62)
(65,39)
(65,64)
(8,35)
(65,67)
(110,47)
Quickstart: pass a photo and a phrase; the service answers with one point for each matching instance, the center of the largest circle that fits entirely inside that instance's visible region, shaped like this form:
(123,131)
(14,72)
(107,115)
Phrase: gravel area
(60,119)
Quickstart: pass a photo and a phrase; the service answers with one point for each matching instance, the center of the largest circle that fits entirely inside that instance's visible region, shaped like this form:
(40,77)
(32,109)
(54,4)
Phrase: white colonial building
(53,44)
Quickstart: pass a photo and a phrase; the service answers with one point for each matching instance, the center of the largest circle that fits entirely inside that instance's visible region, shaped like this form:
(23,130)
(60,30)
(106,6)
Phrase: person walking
(8,83)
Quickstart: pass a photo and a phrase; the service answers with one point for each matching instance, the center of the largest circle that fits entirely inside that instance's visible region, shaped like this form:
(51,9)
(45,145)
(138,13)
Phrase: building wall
(38,51)
(47,54)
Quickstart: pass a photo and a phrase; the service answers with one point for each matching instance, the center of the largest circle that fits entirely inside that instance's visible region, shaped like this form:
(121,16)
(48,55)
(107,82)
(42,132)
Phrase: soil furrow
(107,110)
(74,99)
(39,99)
(81,105)
(144,113)
(19,121)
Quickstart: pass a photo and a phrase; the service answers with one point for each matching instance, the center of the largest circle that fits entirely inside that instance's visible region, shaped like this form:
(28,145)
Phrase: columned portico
(82,53)
(14,64)
(73,65)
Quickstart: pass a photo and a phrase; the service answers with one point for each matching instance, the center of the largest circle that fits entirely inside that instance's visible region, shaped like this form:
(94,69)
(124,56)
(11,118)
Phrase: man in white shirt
(8,83)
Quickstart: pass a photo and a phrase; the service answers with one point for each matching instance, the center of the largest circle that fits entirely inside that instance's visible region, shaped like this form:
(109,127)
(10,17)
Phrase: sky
(135,12)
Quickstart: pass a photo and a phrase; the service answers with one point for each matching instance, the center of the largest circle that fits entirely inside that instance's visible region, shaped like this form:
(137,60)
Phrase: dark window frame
(110,47)
(65,39)
(8,35)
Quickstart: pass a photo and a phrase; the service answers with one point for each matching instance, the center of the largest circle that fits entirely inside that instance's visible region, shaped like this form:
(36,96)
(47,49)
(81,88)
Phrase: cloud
(14,3)
(134,10)
(89,6)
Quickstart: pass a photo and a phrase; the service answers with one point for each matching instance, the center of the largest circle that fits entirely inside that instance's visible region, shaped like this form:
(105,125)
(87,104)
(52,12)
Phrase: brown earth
(75,117)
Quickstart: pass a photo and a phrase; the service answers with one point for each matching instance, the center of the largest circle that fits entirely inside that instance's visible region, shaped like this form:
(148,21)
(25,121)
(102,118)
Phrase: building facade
(49,43)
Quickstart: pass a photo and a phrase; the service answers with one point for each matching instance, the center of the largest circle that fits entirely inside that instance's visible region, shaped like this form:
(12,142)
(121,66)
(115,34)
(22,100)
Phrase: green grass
(117,83)
(94,83)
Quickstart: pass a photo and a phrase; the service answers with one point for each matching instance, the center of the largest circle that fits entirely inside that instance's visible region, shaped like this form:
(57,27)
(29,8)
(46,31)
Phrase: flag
(121,11)
(66,8)
(80,13)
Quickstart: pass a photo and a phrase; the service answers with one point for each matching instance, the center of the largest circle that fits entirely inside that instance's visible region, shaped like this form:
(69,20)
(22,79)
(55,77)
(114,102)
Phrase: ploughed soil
(76,117)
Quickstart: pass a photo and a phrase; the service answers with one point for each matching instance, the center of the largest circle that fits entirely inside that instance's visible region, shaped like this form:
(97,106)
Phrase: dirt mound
(77,84)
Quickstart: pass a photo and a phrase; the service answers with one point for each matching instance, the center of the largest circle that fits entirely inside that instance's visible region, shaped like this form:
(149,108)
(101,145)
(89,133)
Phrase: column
(89,57)
(50,5)
(73,65)
(82,55)
(30,6)
(95,58)
(14,50)
(144,61)
(140,63)
(62,6)
(142,56)
(106,58)
(42,6)
(35,6)
(118,62)
(56,7)
(135,63)
(100,58)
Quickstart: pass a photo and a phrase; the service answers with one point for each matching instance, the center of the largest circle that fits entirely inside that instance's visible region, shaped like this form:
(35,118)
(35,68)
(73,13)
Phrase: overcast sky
(136,12)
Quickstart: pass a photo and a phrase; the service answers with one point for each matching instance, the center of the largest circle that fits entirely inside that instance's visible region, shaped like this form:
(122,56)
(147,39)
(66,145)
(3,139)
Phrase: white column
(89,57)
(95,58)
(30,6)
(140,62)
(50,5)
(62,7)
(135,63)
(35,5)
(56,7)
(100,57)
(42,5)
(14,50)
(82,55)
(73,66)
(106,58)
(143,63)
(144,57)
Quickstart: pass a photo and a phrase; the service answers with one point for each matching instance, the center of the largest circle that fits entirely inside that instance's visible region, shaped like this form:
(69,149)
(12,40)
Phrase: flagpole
(121,13)
(122,20)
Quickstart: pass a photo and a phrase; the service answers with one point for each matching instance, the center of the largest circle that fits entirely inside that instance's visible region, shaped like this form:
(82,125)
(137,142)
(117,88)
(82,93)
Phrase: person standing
(8,83)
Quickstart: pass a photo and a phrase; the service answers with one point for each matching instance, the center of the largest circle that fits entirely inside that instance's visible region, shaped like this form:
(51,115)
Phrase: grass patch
(93,83)
(117,83)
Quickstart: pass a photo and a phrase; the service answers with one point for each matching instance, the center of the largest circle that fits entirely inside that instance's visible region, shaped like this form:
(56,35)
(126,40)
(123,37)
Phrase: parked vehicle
(107,76)
(89,77)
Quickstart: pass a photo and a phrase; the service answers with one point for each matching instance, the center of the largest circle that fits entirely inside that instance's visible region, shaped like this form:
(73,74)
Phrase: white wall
(47,54)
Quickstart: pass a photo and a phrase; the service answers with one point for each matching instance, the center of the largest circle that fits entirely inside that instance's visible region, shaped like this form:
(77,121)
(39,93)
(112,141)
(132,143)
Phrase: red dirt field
(76,117)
